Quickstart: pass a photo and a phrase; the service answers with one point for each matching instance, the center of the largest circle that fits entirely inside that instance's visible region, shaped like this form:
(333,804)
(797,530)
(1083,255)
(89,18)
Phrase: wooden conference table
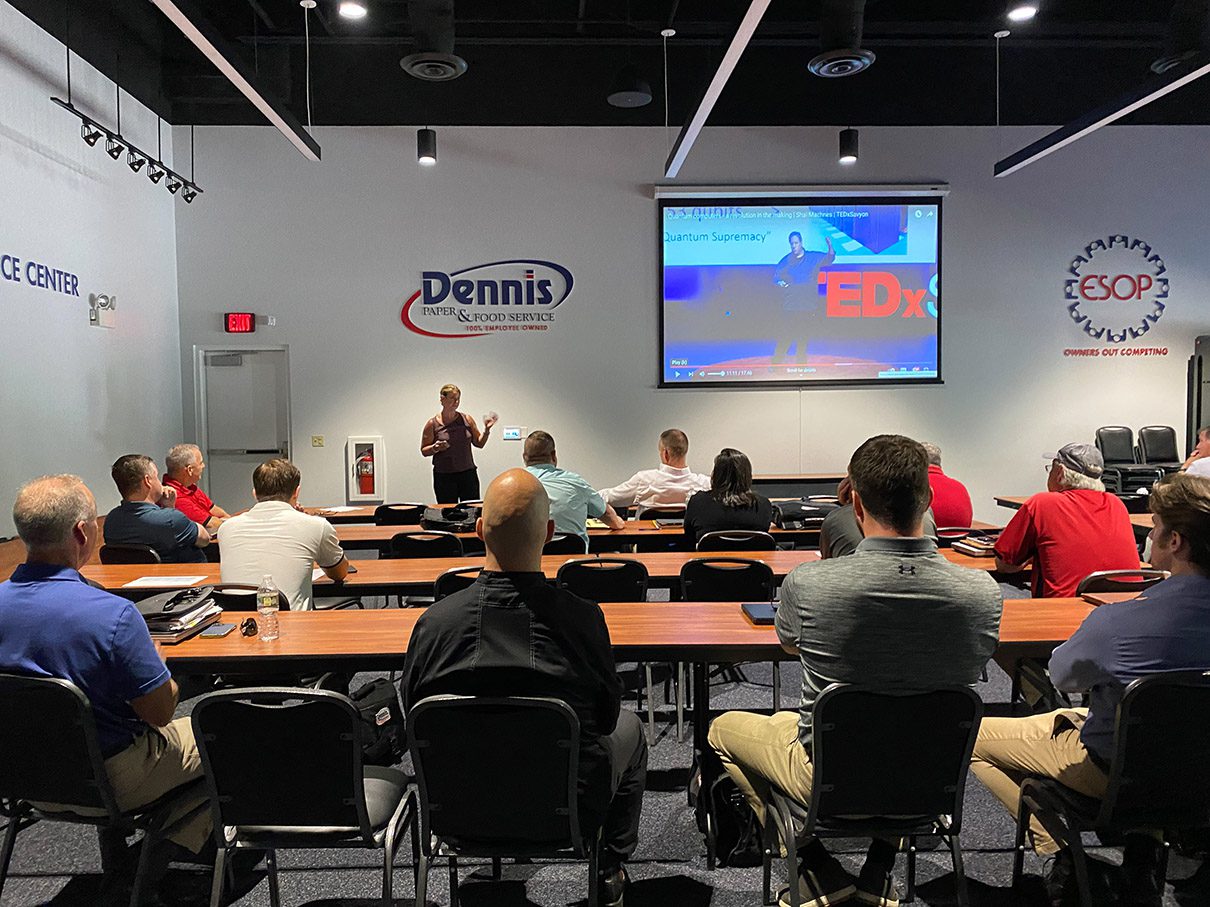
(1142,522)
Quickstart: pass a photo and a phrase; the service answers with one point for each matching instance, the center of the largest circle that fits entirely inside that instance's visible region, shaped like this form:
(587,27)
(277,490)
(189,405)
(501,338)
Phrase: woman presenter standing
(447,438)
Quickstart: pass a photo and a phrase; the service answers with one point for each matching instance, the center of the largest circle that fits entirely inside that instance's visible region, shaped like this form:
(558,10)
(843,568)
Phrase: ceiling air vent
(433,30)
(840,27)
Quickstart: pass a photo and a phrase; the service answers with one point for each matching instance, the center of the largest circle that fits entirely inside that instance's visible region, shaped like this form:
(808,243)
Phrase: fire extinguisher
(364,468)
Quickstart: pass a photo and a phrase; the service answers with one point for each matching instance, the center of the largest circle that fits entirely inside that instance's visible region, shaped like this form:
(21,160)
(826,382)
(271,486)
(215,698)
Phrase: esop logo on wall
(520,294)
(1116,291)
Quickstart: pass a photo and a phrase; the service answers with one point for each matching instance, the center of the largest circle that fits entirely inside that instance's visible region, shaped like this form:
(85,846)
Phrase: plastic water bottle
(267,602)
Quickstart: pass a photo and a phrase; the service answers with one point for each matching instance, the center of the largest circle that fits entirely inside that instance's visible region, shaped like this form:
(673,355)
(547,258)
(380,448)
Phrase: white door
(243,416)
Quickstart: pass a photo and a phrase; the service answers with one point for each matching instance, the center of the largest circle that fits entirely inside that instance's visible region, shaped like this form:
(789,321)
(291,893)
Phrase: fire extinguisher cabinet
(366,469)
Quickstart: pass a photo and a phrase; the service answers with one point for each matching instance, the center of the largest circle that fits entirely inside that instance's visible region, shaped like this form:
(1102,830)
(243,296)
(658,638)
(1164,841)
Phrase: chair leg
(497,869)
(911,869)
(388,867)
(422,881)
(959,872)
(680,702)
(274,892)
(453,881)
(769,840)
(1023,812)
(220,877)
(150,840)
(776,687)
(6,849)
(650,706)
(1081,864)
(594,871)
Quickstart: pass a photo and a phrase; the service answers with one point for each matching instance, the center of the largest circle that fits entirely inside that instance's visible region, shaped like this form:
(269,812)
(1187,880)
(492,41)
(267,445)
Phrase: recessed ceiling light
(352,9)
(1022,12)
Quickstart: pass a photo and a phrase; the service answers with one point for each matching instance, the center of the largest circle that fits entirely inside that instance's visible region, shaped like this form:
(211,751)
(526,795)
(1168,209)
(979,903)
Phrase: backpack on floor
(805,513)
(729,824)
(450,519)
(383,734)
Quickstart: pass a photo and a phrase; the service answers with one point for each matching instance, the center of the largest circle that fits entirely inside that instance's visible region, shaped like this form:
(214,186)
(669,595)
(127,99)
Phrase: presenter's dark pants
(626,748)
(452,487)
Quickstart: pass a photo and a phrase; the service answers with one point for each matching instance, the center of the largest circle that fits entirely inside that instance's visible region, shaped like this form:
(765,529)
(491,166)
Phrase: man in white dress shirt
(669,486)
(1198,463)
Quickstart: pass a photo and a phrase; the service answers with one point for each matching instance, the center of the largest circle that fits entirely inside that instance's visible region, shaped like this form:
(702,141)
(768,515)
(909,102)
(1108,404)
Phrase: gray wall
(75,397)
(333,249)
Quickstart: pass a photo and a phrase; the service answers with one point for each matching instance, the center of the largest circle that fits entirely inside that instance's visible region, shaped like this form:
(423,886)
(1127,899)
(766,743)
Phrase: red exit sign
(239,322)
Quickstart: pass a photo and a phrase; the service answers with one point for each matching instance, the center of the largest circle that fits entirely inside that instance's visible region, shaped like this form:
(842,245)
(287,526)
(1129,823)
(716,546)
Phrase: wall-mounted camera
(101,309)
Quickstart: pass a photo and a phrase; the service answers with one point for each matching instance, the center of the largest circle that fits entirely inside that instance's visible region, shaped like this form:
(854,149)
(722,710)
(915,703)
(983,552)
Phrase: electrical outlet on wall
(317,440)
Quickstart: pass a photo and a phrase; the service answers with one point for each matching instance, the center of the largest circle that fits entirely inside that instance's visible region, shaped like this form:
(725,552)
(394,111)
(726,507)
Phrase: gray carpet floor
(59,864)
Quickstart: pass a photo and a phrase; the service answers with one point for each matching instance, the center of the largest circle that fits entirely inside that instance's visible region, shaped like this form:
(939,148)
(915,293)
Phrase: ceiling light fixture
(629,90)
(155,172)
(848,146)
(135,161)
(114,146)
(90,133)
(352,9)
(1022,12)
(667,32)
(174,183)
(426,147)
(190,193)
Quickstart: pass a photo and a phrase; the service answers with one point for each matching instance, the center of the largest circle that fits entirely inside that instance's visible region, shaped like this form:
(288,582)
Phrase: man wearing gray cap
(1072,529)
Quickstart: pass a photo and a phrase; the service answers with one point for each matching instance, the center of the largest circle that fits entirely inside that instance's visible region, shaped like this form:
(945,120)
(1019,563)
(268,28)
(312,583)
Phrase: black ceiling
(551,62)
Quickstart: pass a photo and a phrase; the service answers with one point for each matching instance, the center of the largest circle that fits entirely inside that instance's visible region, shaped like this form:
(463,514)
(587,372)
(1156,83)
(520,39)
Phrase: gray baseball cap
(1082,458)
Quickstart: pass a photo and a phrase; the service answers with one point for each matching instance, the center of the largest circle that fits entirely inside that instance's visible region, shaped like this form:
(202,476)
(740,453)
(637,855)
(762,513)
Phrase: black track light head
(135,161)
(114,147)
(89,133)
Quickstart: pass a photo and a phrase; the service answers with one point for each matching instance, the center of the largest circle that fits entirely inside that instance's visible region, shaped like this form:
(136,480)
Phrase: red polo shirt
(1069,534)
(951,500)
(191,501)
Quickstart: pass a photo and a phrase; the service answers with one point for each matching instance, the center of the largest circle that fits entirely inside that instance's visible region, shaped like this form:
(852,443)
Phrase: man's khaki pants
(762,750)
(1009,750)
(155,763)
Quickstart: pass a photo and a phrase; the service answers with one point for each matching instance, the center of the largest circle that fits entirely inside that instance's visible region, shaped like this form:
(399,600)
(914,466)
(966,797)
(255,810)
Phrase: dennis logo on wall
(519,294)
(1116,291)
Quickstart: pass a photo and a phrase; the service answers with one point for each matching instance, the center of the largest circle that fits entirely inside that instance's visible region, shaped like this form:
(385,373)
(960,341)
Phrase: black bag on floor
(806,513)
(450,519)
(724,816)
(383,736)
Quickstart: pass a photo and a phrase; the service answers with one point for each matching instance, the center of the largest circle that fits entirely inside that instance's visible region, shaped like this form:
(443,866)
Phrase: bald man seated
(514,634)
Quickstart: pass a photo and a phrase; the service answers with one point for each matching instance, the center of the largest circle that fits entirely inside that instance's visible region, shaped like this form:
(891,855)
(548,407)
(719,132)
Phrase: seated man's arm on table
(138,673)
(203,536)
(788,620)
(624,495)
(330,552)
(598,508)
(217,515)
(1079,664)
(1017,544)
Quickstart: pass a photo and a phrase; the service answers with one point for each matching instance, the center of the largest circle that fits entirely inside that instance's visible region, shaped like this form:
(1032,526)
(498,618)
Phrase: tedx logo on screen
(518,294)
(1116,288)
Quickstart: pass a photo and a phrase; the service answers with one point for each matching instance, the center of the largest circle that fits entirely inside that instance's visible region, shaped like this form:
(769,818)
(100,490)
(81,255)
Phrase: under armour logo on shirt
(907,570)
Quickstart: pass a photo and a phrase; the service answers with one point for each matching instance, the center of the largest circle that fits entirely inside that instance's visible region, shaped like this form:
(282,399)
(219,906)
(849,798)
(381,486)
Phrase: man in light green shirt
(572,500)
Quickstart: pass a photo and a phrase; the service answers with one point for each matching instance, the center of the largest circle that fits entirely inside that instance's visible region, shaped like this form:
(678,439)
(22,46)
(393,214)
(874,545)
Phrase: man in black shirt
(513,634)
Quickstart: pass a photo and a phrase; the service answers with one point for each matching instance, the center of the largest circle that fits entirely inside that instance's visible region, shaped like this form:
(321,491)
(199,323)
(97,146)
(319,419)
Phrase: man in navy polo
(147,515)
(54,624)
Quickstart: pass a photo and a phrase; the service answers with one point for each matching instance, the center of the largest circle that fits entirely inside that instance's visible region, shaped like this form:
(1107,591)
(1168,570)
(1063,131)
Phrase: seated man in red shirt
(182,470)
(1072,529)
(951,501)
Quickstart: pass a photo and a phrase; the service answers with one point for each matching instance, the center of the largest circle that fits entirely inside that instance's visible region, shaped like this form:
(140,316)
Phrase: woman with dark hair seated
(730,503)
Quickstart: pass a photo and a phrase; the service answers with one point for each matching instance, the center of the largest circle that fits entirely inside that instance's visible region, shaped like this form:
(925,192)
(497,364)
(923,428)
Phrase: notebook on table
(760,614)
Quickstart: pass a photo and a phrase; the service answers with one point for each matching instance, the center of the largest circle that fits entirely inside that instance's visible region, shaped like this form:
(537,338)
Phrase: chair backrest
(281,757)
(726,579)
(454,580)
(1121,580)
(736,540)
(242,597)
(128,554)
(947,535)
(48,750)
(1159,775)
(605,579)
(426,543)
(1157,444)
(462,746)
(398,514)
(931,731)
(565,544)
(1116,444)
(663,512)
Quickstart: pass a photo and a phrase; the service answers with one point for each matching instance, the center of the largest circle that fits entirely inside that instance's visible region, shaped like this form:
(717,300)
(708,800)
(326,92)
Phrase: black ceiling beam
(206,38)
(1151,90)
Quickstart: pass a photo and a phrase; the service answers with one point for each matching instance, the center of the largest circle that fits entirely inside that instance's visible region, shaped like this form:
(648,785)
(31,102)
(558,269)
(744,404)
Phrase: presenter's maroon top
(457,457)
(951,501)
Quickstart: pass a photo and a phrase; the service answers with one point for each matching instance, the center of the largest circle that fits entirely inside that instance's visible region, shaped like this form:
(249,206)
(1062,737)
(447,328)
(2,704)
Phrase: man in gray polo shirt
(893,615)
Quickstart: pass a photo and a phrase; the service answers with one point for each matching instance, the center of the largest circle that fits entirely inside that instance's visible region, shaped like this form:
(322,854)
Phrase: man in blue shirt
(54,624)
(572,500)
(1167,628)
(147,515)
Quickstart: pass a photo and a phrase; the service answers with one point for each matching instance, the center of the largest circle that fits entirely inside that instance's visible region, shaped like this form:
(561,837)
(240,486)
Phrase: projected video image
(804,291)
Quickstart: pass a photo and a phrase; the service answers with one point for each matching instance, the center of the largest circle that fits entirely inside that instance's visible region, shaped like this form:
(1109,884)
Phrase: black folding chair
(398,514)
(454,580)
(1122,474)
(49,754)
(885,764)
(462,746)
(613,579)
(660,512)
(1121,580)
(425,543)
(128,554)
(566,544)
(737,540)
(1157,447)
(284,770)
(1159,777)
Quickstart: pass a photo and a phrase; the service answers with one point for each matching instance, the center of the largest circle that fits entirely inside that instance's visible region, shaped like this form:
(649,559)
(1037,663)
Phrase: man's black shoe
(611,887)
(1062,889)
